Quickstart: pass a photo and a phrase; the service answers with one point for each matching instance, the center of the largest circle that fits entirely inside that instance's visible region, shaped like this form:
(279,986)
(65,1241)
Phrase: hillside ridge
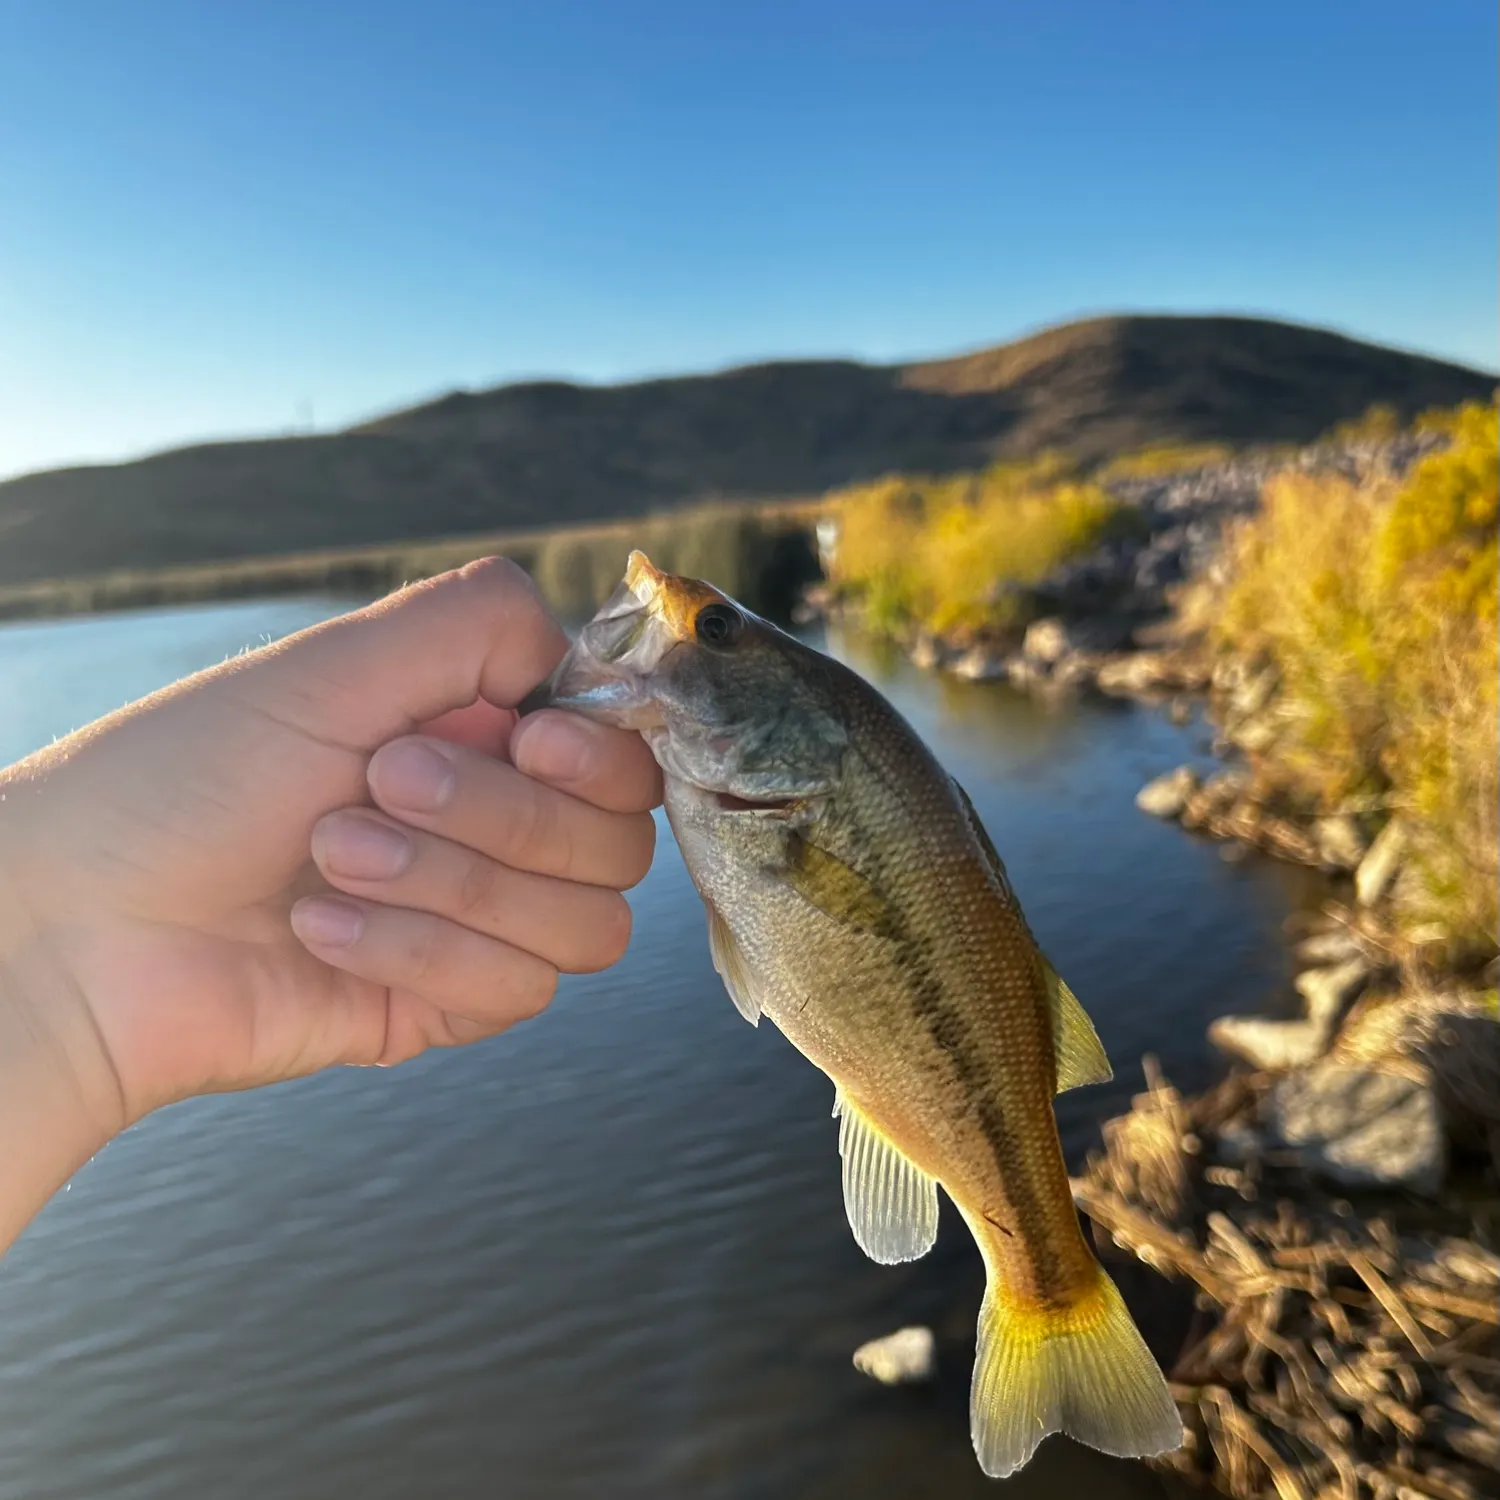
(552,452)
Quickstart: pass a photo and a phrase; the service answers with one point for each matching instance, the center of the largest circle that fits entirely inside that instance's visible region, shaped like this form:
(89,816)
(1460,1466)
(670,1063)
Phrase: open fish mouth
(729,802)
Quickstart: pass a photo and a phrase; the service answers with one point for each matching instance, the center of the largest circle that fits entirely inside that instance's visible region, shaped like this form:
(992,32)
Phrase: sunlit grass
(1378,605)
(957,554)
(1165,458)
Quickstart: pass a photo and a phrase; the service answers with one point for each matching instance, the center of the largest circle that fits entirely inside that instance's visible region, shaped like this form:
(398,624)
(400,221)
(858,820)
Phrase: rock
(1075,671)
(1340,841)
(908,1354)
(1100,633)
(1179,710)
(927,651)
(1379,867)
(1237,1144)
(1272,1045)
(1022,672)
(1167,795)
(1330,947)
(979,664)
(1361,1128)
(1047,641)
(1249,697)
(1328,992)
(1126,676)
(1215,797)
(1256,734)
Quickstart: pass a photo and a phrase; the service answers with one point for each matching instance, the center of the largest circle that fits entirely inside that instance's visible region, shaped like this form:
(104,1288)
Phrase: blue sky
(223,219)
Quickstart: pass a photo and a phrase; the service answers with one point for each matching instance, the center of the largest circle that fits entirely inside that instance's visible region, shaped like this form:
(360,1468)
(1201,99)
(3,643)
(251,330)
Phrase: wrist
(58,1104)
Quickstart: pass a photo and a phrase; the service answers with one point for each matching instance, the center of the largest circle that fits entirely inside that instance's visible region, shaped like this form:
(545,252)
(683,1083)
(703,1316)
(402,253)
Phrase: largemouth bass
(854,897)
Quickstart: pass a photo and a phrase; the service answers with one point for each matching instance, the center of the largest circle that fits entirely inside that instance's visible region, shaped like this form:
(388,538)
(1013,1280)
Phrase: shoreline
(566,561)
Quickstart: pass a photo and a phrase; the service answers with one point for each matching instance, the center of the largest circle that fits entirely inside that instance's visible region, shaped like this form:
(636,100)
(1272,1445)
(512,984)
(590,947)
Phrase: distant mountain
(550,453)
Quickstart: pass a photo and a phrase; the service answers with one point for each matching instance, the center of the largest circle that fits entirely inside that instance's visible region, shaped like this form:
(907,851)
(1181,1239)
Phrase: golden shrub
(1377,602)
(954,554)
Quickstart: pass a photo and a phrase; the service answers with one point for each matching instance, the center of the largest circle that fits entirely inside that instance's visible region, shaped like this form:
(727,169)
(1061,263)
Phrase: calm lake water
(604,1255)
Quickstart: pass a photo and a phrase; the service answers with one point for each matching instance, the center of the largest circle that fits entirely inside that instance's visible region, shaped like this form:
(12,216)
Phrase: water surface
(605,1254)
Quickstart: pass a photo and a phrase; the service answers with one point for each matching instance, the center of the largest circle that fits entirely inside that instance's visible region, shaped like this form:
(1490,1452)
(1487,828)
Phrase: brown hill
(551,453)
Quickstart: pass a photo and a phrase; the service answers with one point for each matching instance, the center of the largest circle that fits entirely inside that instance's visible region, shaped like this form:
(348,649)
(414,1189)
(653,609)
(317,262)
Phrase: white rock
(1047,641)
(1272,1045)
(979,664)
(1329,991)
(1166,796)
(907,1354)
(927,651)
(1256,734)
(1360,1127)
(1378,868)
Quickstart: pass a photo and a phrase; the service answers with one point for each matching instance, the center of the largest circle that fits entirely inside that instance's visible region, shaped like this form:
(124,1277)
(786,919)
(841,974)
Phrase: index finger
(481,632)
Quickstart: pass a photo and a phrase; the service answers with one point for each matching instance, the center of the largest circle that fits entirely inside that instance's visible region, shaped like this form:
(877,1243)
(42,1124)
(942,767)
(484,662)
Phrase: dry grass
(1377,603)
(1165,458)
(1334,1354)
(957,555)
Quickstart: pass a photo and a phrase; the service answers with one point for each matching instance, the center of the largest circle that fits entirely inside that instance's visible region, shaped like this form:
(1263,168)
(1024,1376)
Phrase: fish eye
(719,624)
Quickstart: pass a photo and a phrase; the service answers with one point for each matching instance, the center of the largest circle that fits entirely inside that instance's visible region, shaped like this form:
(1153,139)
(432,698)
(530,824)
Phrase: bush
(1378,603)
(957,555)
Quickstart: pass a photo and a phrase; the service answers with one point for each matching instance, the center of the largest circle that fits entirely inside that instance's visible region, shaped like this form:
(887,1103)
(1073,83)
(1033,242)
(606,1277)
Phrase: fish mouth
(730,802)
(605,674)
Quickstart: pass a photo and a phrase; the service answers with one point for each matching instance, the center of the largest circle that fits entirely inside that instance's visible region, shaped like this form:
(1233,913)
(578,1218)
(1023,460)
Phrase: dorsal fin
(1080,1054)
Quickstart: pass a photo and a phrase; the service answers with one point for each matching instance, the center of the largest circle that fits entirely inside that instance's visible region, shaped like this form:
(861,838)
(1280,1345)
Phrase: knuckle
(475,895)
(527,833)
(421,951)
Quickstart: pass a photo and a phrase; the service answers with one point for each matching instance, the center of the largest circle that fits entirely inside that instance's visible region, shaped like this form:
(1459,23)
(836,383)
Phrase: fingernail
(556,747)
(413,776)
(360,848)
(327,922)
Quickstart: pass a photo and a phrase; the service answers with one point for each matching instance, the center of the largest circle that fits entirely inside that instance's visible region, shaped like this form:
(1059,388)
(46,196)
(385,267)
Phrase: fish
(855,899)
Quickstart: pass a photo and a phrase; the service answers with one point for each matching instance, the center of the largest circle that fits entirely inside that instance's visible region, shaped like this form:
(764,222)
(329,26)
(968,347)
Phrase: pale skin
(341,849)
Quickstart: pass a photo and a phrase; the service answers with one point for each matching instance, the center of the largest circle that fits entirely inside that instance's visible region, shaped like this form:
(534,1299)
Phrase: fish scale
(855,899)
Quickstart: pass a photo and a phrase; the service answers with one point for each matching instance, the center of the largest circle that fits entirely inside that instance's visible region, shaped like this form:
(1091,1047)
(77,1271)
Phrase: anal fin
(891,1203)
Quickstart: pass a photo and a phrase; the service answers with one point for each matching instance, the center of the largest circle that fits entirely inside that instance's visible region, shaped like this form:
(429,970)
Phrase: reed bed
(763,552)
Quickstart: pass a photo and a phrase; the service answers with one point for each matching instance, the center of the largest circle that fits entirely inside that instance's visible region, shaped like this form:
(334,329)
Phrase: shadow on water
(604,1254)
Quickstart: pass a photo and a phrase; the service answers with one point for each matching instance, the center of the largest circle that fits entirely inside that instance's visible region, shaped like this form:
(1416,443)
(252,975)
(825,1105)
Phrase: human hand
(166,920)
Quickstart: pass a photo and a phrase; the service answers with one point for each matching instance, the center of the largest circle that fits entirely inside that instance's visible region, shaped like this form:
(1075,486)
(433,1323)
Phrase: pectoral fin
(1079,1052)
(838,889)
(892,1204)
(731,965)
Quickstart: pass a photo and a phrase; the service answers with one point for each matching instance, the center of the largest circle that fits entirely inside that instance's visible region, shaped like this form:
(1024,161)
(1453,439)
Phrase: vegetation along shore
(1335,1201)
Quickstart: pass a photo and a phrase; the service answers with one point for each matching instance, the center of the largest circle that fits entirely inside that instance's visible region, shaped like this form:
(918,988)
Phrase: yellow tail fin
(1082,1369)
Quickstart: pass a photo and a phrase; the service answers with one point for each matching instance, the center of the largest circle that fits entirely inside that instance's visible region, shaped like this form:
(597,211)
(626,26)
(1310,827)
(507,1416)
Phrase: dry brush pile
(1341,1349)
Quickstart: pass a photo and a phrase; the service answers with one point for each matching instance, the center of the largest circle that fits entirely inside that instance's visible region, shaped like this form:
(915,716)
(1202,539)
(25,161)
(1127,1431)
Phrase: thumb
(425,651)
